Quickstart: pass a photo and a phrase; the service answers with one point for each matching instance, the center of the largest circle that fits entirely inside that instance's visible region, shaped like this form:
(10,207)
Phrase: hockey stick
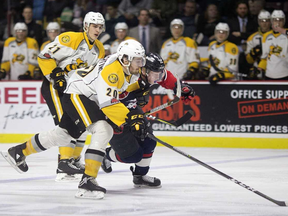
(176,123)
(279,203)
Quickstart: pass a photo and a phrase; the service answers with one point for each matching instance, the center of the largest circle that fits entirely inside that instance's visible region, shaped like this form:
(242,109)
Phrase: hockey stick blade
(277,202)
(176,123)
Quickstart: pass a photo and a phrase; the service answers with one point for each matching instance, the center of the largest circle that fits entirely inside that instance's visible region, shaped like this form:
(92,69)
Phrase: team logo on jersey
(173,56)
(18,58)
(274,51)
(233,50)
(216,61)
(80,63)
(65,39)
(113,78)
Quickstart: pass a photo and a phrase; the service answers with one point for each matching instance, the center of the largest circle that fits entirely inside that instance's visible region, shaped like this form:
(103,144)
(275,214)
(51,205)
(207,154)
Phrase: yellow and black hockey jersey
(274,57)
(180,54)
(19,57)
(102,83)
(72,50)
(225,57)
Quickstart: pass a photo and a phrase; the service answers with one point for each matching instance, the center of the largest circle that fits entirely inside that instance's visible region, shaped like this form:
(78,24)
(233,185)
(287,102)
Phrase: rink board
(242,114)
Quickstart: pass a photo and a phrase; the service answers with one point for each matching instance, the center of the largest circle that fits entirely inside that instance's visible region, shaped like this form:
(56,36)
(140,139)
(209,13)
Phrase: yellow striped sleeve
(47,65)
(116,113)
(5,66)
(249,59)
(262,64)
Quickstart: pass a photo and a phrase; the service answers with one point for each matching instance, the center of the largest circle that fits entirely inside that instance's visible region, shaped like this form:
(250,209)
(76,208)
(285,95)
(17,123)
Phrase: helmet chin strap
(126,67)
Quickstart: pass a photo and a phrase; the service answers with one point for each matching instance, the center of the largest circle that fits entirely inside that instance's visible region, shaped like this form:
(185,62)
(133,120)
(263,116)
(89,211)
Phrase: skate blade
(63,177)
(11,161)
(84,194)
(147,186)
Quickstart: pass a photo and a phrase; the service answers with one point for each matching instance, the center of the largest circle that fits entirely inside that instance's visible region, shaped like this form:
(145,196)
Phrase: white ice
(187,188)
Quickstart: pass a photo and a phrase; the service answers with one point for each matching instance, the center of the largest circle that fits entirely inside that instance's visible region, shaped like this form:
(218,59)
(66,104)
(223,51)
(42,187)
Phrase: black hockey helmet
(154,62)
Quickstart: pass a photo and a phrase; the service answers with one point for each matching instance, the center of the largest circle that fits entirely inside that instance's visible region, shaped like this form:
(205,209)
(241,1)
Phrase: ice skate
(67,171)
(16,158)
(145,181)
(106,165)
(88,188)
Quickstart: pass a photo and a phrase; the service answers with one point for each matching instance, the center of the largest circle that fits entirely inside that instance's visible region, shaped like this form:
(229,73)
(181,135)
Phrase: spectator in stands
(180,53)
(242,25)
(162,11)
(52,31)
(274,59)
(54,8)
(206,25)
(223,57)
(189,17)
(121,30)
(34,29)
(19,56)
(149,36)
(112,17)
(254,45)
(130,9)
(255,7)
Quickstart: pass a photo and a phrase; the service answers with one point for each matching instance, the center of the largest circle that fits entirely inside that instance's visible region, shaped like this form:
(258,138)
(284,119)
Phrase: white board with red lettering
(22,108)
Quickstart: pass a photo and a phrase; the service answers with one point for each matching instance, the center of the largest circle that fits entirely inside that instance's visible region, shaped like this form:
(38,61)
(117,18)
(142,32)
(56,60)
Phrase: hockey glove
(205,71)
(58,75)
(142,97)
(187,93)
(137,123)
(25,76)
(143,82)
(256,52)
(2,74)
(37,75)
(253,73)
(191,74)
(215,78)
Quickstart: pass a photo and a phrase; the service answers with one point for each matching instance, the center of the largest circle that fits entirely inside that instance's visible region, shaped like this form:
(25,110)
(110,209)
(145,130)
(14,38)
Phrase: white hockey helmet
(20,26)
(121,25)
(264,15)
(130,49)
(222,27)
(95,18)
(52,26)
(277,14)
(176,22)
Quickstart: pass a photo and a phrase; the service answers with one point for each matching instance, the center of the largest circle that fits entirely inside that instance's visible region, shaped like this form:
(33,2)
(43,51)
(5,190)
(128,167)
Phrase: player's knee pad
(135,158)
(101,132)
(56,137)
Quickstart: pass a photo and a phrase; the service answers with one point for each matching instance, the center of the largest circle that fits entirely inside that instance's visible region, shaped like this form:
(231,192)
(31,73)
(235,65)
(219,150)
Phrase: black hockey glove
(143,82)
(215,78)
(253,73)
(25,76)
(2,74)
(37,74)
(58,75)
(142,97)
(205,71)
(137,123)
(191,74)
(187,93)
(256,52)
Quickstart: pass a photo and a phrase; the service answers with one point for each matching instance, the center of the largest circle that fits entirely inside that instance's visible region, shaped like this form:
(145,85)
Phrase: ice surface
(187,188)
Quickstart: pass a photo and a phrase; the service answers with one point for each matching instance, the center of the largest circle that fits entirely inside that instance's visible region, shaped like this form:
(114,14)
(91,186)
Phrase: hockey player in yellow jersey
(92,96)
(19,55)
(58,60)
(121,29)
(180,53)
(254,44)
(223,56)
(52,31)
(274,59)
